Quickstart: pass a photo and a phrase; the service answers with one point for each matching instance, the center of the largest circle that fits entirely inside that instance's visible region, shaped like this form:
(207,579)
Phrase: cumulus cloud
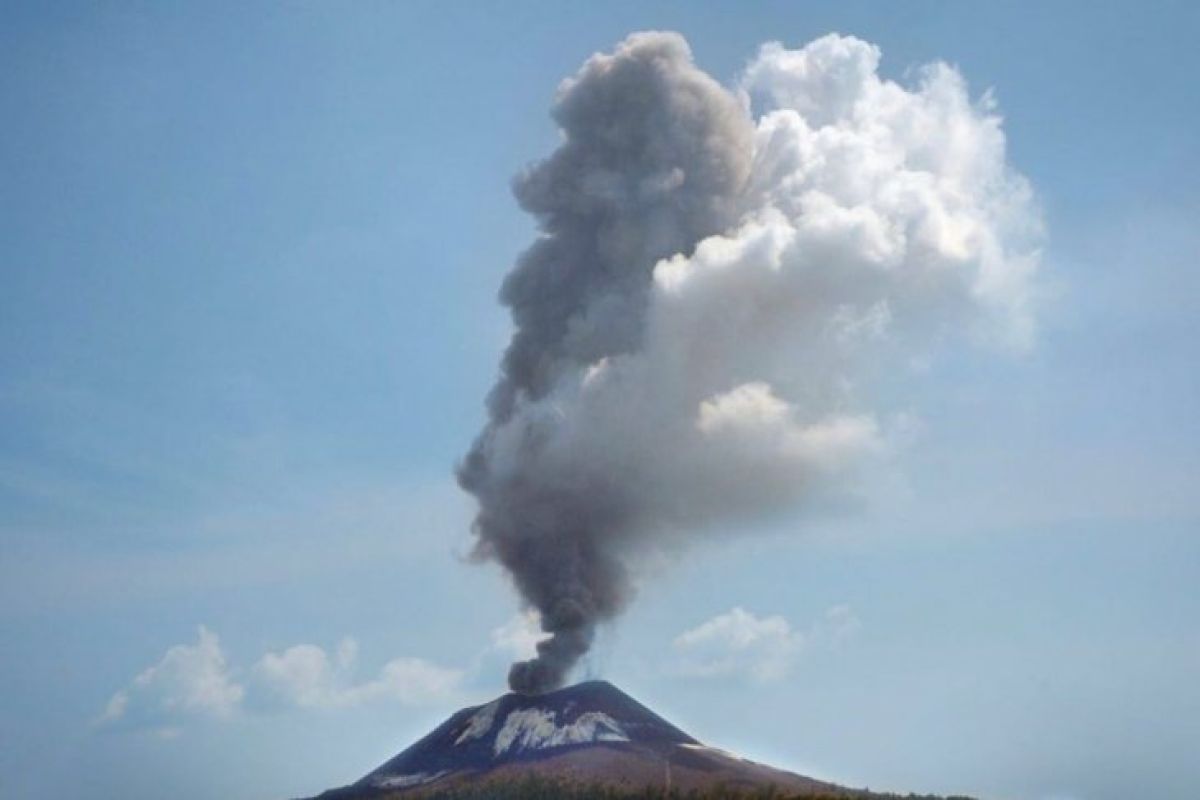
(739,642)
(723,282)
(764,649)
(306,676)
(191,680)
(194,681)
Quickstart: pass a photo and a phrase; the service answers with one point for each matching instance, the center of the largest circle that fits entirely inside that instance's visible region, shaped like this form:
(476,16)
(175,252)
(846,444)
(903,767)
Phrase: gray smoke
(710,292)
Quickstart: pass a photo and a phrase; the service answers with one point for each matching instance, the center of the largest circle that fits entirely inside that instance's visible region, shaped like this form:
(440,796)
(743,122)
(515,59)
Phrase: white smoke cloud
(843,230)
(874,230)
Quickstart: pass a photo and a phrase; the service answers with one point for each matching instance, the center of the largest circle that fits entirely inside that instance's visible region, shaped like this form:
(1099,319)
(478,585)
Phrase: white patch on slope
(403,781)
(481,723)
(536,728)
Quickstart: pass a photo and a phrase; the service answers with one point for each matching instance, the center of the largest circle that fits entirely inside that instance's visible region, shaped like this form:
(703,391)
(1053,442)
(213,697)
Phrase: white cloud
(190,680)
(195,681)
(411,681)
(301,675)
(306,677)
(731,346)
(764,649)
(880,223)
(738,642)
(519,636)
(822,81)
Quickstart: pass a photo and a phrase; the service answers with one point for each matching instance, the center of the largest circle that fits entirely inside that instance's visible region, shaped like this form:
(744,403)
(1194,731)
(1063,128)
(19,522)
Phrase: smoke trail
(720,278)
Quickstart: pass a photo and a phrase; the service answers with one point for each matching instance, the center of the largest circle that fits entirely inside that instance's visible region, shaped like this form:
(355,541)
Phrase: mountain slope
(590,733)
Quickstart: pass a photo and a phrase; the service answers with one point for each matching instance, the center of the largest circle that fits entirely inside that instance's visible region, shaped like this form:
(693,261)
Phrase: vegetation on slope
(536,787)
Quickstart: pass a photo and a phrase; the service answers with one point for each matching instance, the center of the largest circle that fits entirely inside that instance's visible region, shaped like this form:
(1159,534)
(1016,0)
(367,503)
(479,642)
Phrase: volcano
(591,733)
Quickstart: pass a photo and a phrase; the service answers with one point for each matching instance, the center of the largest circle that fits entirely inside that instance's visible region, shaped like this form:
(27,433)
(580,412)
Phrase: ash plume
(722,281)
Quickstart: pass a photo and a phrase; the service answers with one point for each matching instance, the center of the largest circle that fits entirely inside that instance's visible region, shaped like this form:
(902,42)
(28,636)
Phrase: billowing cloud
(191,680)
(195,681)
(306,676)
(764,649)
(727,289)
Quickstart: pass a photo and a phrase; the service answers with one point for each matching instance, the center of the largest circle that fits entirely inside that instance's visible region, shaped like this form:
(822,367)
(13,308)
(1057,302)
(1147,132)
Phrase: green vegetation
(540,788)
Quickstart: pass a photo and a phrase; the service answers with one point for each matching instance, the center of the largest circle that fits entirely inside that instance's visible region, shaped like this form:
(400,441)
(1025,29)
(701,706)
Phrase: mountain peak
(590,732)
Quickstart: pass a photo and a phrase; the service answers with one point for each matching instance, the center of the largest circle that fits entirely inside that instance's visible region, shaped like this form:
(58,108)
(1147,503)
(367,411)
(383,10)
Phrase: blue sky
(250,257)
